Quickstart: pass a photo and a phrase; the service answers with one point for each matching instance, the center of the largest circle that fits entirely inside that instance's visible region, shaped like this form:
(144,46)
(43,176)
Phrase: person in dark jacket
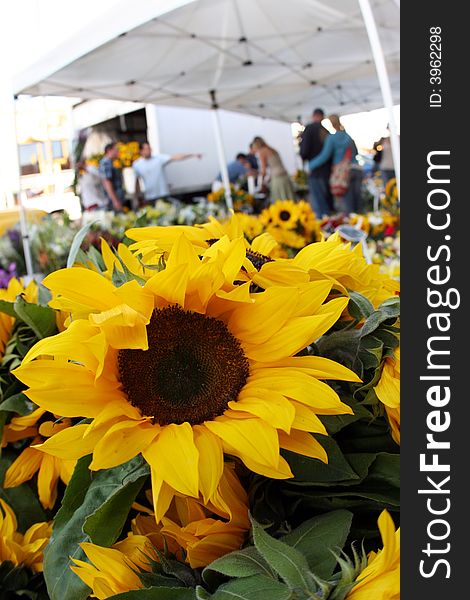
(313,138)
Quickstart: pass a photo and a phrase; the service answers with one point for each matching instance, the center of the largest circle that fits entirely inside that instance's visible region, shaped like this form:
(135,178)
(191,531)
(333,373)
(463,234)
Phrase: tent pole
(221,151)
(384,81)
(21,194)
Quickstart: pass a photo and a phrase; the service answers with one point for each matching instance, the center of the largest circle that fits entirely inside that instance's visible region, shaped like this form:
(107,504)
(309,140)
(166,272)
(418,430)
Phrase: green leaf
(370,352)
(7,308)
(99,502)
(256,587)
(157,580)
(312,471)
(240,563)
(41,319)
(335,423)
(21,499)
(385,311)
(17,403)
(318,536)
(44,295)
(76,243)
(359,306)
(287,562)
(156,593)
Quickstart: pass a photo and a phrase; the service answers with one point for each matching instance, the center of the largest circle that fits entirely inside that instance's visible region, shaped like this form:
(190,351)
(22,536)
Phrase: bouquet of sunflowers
(292,224)
(190,417)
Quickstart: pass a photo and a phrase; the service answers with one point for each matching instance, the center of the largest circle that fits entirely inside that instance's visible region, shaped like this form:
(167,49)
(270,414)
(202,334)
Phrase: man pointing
(150,170)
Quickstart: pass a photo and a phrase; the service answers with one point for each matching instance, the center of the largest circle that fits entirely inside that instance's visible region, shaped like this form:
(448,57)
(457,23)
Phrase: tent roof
(263,57)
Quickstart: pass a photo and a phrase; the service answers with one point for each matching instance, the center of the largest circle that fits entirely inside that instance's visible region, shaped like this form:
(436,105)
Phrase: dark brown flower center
(193,368)
(257,259)
(284,215)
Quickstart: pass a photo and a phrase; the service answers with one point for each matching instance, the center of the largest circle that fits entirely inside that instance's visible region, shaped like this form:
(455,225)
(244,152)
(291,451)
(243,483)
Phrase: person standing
(92,195)
(384,158)
(237,169)
(111,178)
(335,149)
(280,185)
(150,170)
(311,144)
(251,158)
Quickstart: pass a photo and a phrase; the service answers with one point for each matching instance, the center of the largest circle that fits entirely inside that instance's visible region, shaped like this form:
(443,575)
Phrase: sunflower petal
(162,495)
(268,405)
(70,444)
(297,334)
(303,443)
(256,323)
(211,460)
(47,481)
(123,441)
(123,326)
(80,290)
(170,284)
(316,366)
(23,468)
(250,437)
(174,457)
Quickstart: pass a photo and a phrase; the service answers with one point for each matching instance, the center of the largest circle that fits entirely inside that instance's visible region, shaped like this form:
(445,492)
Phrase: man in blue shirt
(237,168)
(149,170)
(111,178)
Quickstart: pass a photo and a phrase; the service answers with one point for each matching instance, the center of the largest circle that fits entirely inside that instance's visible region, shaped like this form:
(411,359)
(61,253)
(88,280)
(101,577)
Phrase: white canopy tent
(263,57)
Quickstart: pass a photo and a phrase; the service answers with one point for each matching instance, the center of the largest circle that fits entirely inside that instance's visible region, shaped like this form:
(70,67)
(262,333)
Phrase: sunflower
(203,531)
(308,221)
(185,368)
(380,580)
(112,571)
(287,237)
(9,294)
(153,243)
(251,225)
(22,549)
(283,213)
(388,392)
(192,531)
(347,268)
(31,460)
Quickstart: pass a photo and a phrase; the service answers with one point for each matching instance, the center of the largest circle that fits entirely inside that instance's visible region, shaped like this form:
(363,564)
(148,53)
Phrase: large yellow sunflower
(22,549)
(388,392)
(380,580)
(185,368)
(14,289)
(31,460)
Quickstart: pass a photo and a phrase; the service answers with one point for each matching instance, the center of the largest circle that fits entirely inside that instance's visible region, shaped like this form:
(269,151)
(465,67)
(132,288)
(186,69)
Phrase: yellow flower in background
(14,289)
(287,237)
(307,219)
(388,392)
(22,549)
(185,368)
(283,213)
(380,580)
(31,460)
(347,268)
